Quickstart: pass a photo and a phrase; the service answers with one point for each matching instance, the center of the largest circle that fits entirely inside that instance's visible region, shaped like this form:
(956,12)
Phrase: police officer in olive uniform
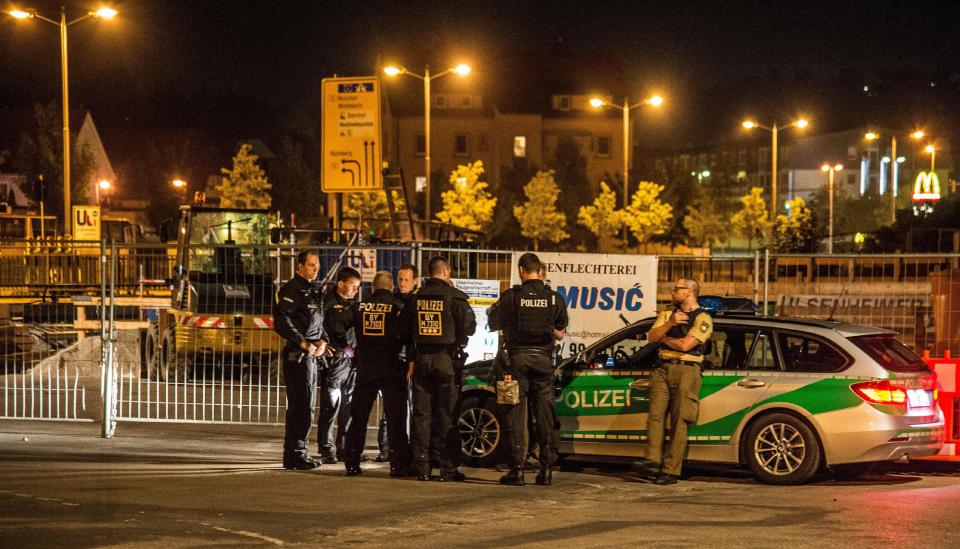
(532,318)
(298,319)
(675,383)
(438,321)
(377,323)
(338,375)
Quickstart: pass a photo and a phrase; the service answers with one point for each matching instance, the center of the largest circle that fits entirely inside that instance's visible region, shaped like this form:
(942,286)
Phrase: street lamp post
(831,169)
(461,70)
(774,130)
(103,13)
(933,156)
(104,185)
(597,103)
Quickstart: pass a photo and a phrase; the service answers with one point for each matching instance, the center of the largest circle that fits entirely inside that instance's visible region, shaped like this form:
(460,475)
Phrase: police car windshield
(890,353)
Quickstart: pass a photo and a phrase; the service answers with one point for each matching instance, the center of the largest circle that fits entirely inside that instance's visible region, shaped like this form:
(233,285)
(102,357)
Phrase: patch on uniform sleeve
(704,327)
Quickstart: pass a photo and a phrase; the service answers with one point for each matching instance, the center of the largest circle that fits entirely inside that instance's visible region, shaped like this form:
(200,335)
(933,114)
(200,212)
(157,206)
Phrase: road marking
(39,498)
(245,533)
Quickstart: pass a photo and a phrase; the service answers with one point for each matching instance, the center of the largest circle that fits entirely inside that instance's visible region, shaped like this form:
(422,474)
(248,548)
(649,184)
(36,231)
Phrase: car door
(603,396)
(740,366)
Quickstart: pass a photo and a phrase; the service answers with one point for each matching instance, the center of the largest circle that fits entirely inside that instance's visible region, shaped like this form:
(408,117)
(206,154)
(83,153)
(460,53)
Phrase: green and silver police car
(786,397)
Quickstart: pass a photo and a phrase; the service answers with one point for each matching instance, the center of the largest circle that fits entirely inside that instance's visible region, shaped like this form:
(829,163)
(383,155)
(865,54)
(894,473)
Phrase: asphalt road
(157,485)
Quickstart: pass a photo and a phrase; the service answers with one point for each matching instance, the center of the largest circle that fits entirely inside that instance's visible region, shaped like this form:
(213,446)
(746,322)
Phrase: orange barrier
(948,378)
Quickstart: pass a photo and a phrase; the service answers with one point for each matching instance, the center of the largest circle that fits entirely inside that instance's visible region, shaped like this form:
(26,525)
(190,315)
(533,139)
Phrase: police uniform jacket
(437,317)
(377,325)
(528,313)
(298,314)
(338,321)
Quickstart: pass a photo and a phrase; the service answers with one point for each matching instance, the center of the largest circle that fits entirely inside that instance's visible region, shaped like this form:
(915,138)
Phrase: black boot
(354,470)
(513,478)
(545,476)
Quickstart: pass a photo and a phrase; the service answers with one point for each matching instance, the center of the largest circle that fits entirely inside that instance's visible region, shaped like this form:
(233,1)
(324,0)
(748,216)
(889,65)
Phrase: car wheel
(782,449)
(481,424)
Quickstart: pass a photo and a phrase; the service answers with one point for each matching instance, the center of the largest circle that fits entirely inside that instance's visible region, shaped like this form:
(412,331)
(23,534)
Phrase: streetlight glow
(462,69)
(749,124)
(596,102)
(178,183)
(929,149)
(801,123)
(870,136)
(105,13)
(825,168)
(392,71)
(20,14)
(919,134)
(104,184)
(655,101)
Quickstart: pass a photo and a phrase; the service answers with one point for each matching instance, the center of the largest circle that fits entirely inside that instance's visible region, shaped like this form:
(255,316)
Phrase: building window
(421,145)
(440,101)
(520,146)
(562,102)
(603,145)
(460,144)
(851,153)
(851,180)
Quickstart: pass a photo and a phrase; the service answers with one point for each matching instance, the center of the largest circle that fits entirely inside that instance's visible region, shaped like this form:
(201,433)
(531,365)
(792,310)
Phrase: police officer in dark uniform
(377,323)
(298,319)
(532,317)
(338,375)
(438,321)
(675,383)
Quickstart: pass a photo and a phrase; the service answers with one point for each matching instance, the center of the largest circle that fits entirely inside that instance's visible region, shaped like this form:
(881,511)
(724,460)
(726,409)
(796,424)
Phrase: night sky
(276,52)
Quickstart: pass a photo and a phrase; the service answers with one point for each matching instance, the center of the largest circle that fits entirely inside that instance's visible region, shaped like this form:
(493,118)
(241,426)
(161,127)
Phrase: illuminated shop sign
(927,187)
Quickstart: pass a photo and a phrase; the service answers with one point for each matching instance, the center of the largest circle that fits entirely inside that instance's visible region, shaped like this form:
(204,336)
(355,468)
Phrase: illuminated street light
(653,101)
(919,134)
(179,184)
(894,167)
(103,185)
(831,169)
(102,13)
(460,70)
(774,129)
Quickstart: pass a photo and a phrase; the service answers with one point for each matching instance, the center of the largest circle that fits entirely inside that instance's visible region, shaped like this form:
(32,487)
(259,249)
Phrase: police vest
(681,330)
(434,323)
(377,324)
(535,307)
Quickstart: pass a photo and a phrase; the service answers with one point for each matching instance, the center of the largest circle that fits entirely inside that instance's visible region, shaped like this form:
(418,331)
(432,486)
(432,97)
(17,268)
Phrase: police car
(784,396)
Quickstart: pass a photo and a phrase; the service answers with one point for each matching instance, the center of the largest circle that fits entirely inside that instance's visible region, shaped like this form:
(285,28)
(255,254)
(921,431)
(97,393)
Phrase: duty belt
(678,361)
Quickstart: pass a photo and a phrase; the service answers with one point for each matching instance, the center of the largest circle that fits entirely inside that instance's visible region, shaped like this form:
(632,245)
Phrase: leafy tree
(751,221)
(538,216)
(246,185)
(570,169)
(504,230)
(41,153)
(704,224)
(794,232)
(647,216)
(371,209)
(296,186)
(602,218)
(467,204)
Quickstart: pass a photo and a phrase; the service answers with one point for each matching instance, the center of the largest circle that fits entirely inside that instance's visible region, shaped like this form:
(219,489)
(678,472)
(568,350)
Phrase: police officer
(438,321)
(675,383)
(378,344)
(407,276)
(338,375)
(532,317)
(298,319)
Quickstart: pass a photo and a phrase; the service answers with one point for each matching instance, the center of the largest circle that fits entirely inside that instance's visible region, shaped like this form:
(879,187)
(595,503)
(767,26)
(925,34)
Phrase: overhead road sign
(351,135)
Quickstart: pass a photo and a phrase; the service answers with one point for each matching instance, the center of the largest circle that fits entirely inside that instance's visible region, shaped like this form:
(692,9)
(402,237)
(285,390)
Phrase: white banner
(598,289)
(483,293)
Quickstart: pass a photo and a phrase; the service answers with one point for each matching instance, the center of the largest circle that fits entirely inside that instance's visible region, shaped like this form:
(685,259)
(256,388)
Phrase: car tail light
(880,392)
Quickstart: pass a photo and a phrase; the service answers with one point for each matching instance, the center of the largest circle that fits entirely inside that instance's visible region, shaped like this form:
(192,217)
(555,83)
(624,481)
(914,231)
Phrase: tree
(371,210)
(751,221)
(295,188)
(467,204)
(647,216)
(704,224)
(246,185)
(571,176)
(794,232)
(602,218)
(41,153)
(538,216)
